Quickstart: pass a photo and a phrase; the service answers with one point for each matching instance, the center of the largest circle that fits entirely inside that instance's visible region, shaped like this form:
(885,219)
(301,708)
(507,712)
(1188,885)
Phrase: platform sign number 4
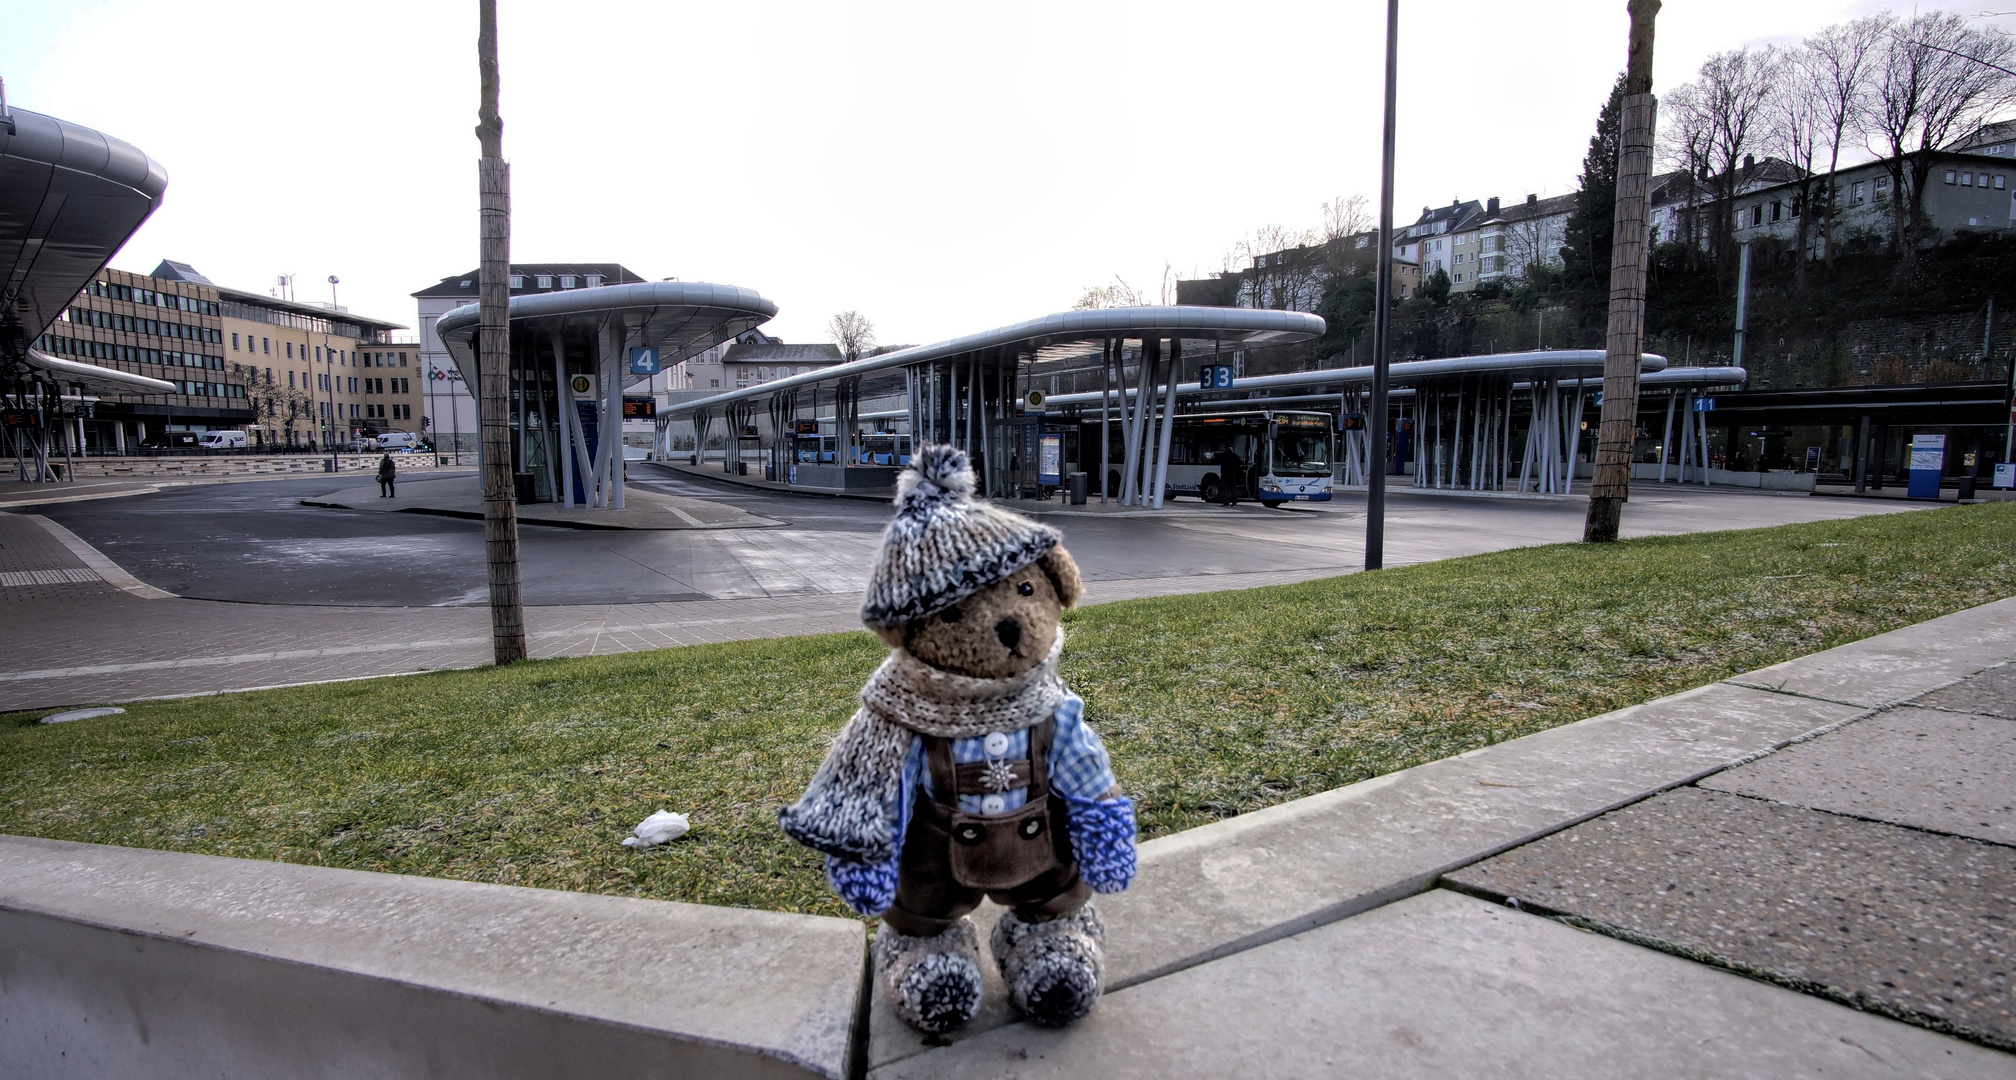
(1214,377)
(644,361)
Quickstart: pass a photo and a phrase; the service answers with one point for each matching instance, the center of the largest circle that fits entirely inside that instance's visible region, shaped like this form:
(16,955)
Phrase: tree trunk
(493,355)
(1619,426)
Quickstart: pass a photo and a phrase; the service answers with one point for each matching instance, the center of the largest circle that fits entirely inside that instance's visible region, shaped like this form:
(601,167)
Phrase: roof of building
(463,286)
(1437,220)
(1537,207)
(1999,131)
(776,352)
(180,271)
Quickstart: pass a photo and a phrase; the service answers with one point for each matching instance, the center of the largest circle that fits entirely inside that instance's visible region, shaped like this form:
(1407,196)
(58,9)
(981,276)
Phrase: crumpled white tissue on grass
(661,827)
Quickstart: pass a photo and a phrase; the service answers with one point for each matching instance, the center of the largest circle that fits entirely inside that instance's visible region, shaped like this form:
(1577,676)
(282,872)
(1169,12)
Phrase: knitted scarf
(850,808)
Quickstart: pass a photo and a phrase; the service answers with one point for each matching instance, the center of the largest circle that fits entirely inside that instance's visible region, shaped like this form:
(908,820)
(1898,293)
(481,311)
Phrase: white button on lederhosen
(993,804)
(995,744)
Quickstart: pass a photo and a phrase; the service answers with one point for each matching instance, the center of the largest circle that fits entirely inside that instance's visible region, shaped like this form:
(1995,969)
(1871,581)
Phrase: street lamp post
(1375,477)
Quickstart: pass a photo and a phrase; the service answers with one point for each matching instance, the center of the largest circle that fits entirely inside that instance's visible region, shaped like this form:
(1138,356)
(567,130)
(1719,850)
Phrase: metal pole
(1168,418)
(1742,302)
(1862,456)
(1105,417)
(1375,486)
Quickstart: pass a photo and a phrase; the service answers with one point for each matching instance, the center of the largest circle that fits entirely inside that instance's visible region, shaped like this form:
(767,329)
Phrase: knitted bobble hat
(942,546)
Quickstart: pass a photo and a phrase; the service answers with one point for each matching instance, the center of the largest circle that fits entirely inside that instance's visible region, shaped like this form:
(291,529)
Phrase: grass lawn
(1213,705)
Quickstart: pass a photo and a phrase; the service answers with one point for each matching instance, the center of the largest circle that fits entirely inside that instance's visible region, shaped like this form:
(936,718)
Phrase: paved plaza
(209,587)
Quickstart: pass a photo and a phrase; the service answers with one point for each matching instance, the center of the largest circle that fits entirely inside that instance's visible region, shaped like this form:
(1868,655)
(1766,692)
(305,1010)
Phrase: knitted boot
(934,982)
(1053,969)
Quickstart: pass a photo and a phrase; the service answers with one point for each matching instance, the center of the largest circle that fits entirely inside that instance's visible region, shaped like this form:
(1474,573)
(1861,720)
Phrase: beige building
(311,373)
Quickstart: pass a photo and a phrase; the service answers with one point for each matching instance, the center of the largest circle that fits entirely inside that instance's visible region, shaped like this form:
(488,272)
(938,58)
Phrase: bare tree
(1686,136)
(1345,215)
(493,356)
(1839,63)
(1533,241)
(1734,90)
(1937,78)
(1284,272)
(853,332)
(1796,127)
(1117,295)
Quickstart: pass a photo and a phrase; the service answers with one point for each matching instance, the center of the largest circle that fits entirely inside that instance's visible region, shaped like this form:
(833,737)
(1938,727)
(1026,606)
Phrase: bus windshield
(1301,452)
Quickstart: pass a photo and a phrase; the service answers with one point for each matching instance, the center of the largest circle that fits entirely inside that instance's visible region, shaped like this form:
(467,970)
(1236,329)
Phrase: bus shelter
(986,393)
(572,354)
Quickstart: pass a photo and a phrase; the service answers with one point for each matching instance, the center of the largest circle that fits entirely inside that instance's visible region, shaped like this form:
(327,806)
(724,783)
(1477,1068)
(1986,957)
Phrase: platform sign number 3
(1214,377)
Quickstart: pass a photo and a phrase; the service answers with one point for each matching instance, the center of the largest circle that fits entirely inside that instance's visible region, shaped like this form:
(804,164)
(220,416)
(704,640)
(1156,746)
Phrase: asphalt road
(255,543)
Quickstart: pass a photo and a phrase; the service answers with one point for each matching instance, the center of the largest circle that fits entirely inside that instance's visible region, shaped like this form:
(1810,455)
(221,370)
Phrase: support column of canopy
(574,480)
(1168,419)
(1107,350)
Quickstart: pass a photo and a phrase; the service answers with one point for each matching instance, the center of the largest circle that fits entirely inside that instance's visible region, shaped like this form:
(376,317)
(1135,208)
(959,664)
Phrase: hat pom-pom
(942,466)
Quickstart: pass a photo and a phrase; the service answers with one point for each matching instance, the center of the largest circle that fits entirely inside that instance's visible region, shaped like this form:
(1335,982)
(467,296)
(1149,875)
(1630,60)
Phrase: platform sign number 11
(1214,377)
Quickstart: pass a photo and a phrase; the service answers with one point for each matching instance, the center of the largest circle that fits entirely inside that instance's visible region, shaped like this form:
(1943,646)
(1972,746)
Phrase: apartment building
(1510,239)
(450,407)
(1966,191)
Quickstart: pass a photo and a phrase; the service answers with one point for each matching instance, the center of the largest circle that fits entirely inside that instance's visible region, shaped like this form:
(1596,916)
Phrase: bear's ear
(891,636)
(1063,571)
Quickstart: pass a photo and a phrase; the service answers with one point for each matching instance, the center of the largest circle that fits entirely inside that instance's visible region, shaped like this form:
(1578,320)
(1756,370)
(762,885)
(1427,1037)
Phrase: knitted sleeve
(1102,829)
(870,887)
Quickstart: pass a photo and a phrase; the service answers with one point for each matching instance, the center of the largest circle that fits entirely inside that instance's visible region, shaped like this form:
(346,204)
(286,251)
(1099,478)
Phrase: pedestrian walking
(387,472)
(1230,468)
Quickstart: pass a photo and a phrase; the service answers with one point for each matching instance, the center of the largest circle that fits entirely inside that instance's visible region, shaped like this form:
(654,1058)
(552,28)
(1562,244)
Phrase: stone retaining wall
(250,465)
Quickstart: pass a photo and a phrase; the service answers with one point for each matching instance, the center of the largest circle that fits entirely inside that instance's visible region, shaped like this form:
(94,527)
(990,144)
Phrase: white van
(397,440)
(221,440)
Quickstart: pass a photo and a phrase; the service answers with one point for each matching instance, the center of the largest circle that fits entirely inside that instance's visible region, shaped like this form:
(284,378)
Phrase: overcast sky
(943,168)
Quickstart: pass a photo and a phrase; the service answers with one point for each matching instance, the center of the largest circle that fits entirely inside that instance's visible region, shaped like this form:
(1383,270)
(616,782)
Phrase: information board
(1928,462)
(1050,460)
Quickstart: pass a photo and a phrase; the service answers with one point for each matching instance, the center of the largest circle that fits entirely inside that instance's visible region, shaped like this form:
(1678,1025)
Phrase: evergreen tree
(1585,261)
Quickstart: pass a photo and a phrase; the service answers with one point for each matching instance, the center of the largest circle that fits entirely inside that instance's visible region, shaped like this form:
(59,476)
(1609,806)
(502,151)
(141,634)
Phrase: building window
(1950,176)
(566,281)
(290,348)
(234,342)
(402,359)
(545,281)
(517,281)
(594,280)
(1966,179)
(1999,178)
(1855,194)
(1777,210)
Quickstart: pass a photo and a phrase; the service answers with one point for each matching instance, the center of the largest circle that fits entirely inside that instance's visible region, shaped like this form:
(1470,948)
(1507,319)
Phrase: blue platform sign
(1214,377)
(1928,463)
(644,361)
(1706,404)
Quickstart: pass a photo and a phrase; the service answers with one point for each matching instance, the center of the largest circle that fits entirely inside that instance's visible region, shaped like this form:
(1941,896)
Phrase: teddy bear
(969,770)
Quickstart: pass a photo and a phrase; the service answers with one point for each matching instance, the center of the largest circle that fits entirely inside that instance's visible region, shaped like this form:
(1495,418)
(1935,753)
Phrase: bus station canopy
(1052,341)
(678,318)
(69,198)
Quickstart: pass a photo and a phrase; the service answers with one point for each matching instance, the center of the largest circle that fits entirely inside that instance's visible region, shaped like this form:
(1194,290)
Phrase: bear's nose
(1009,631)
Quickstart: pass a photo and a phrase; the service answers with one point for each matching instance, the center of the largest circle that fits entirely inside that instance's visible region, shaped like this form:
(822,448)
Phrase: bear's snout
(1010,633)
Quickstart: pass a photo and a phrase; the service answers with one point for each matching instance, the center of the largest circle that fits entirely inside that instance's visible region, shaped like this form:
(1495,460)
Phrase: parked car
(396,440)
(221,440)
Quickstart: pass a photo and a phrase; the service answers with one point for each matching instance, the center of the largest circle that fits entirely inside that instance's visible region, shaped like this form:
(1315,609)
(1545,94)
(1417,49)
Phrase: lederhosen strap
(949,782)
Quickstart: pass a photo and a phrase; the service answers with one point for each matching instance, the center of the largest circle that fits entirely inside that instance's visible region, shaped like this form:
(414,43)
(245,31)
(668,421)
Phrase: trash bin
(527,492)
(1078,484)
(1966,487)
(741,468)
(770,470)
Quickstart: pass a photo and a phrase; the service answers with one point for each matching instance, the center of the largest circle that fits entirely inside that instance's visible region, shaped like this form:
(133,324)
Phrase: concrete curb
(123,962)
(112,572)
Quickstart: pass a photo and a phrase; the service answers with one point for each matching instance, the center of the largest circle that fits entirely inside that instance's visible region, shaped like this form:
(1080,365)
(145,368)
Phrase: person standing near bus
(1230,468)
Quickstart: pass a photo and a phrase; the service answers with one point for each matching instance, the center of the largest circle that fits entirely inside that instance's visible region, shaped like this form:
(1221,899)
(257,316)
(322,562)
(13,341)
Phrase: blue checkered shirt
(1078,763)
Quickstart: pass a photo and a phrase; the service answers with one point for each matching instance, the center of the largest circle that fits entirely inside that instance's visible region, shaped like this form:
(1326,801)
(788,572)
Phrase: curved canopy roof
(103,380)
(1546,363)
(1067,332)
(679,318)
(69,197)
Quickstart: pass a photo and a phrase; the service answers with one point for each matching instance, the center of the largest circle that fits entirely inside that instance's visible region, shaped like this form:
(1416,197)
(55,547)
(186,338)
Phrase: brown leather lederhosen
(1020,858)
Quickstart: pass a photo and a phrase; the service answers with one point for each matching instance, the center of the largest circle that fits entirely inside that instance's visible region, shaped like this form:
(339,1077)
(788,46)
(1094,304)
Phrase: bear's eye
(952,614)
(1026,589)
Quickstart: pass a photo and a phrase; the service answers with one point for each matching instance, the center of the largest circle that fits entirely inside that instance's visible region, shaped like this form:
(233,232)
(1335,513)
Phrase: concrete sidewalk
(1801,871)
(462,497)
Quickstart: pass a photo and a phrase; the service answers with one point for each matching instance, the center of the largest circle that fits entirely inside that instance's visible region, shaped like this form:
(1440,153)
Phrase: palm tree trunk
(493,354)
